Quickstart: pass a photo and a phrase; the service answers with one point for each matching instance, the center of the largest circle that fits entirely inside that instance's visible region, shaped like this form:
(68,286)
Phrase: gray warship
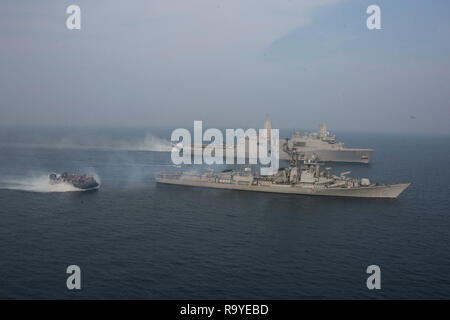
(83,182)
(306,179)
(325,146)
(321,144)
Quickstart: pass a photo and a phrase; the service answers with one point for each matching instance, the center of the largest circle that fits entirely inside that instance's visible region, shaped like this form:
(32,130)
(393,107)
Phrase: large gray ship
(321,144)
(306,179)
(325,146)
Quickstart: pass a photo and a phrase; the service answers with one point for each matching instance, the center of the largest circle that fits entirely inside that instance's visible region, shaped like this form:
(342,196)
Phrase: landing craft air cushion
(81,182)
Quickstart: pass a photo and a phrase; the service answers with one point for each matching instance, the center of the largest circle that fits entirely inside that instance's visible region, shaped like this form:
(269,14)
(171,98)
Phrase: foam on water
(37,184)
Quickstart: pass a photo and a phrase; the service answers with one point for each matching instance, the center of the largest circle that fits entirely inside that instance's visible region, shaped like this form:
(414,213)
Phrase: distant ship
(325,146)
(305,180)
(322,145)
(83,182)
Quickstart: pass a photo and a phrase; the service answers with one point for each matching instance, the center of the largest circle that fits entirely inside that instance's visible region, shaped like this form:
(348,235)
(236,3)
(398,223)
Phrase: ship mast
(293,161)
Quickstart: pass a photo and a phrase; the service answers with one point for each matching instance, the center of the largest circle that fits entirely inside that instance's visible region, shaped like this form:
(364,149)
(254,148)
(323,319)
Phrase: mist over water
(88,138)
(39,152)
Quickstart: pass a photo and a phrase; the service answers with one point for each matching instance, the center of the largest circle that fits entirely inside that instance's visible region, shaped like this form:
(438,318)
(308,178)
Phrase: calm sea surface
(134,239)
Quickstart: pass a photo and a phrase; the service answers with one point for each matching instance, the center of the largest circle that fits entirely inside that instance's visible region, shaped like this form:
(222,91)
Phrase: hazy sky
(230,63)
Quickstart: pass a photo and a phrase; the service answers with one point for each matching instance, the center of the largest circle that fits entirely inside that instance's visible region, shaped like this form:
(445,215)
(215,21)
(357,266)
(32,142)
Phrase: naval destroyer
(306,179)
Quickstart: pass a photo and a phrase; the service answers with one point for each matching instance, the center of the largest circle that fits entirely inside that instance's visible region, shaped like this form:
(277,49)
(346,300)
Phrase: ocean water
(134,239)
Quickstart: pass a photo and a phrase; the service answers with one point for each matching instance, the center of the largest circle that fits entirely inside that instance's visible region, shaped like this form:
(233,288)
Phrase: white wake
(148,142)
(37,184)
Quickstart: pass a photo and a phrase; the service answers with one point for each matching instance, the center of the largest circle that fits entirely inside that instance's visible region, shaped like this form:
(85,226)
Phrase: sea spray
(36,184)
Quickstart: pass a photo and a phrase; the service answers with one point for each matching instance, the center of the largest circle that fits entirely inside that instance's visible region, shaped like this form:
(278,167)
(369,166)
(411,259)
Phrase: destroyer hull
(377,191)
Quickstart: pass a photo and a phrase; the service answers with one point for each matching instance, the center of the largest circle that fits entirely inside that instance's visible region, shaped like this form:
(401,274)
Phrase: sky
(230,63)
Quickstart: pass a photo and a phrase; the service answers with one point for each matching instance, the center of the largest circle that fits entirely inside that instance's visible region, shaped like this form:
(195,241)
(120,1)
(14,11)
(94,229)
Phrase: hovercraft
(83,182)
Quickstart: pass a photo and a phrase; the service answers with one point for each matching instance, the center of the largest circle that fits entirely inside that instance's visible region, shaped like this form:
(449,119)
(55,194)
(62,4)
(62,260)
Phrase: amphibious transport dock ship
(321,144)
(325,146)
(306,180)
(81,182)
